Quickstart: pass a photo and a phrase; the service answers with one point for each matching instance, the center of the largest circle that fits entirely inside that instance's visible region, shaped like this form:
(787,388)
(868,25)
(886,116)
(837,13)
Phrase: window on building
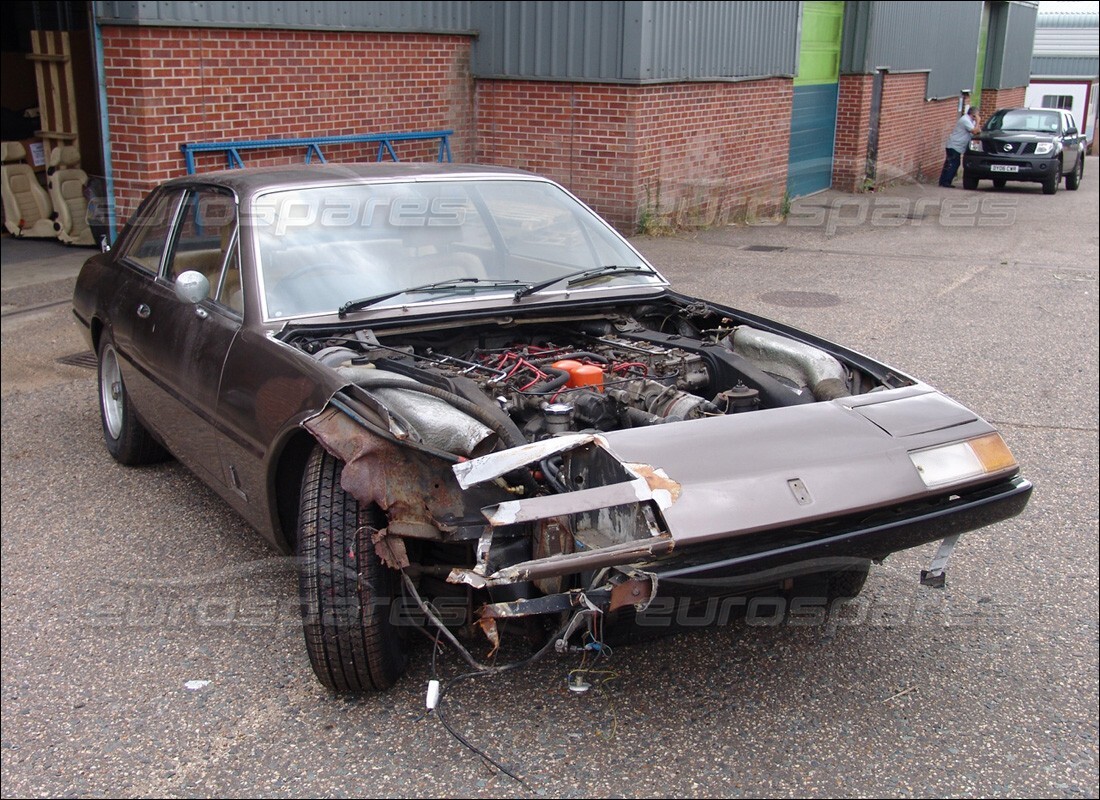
(1058,101)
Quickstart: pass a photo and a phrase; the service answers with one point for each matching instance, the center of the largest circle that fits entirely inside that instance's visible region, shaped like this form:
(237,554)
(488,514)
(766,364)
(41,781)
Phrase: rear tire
(1073,180)
(1050,186)
(126,438)
(999,183)
(969,182)
(346,592)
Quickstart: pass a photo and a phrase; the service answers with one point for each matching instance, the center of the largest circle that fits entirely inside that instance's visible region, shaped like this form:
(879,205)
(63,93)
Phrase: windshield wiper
(573,278)
(435,286)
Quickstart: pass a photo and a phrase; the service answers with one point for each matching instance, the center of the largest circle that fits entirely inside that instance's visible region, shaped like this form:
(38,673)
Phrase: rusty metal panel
(434,16)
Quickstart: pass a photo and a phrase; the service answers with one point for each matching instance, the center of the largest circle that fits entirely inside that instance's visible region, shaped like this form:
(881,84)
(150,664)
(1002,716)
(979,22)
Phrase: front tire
(1050,186)
(833,585)
(346,592)
(970,182)
(1073,180)
(126,438)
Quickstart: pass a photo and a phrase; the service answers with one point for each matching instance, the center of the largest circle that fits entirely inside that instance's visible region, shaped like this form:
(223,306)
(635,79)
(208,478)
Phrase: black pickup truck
(1037,145)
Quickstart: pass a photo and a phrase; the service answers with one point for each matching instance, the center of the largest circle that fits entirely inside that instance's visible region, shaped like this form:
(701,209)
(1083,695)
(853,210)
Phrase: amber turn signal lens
(992,451)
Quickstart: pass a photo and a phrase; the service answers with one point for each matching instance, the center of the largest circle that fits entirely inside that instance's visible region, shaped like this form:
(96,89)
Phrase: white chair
(27,208)
(66,181)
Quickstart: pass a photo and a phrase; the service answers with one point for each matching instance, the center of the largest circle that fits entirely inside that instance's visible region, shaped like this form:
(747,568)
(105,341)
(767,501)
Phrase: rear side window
(152,227)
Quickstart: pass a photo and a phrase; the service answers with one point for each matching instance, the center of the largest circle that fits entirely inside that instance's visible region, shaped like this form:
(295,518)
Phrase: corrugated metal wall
(645,40)
(1011,37)
(1066,45)
(1064,67)
(699,40)
(938,35)
(441,16)
(552,40)
(635,41)
(1066,41)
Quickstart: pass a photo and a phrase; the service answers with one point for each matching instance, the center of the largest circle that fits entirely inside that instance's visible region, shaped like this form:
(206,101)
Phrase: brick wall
(693,153)
(912,130)
(853,118)
(710,153)
(580,135)
(167,86)
(992,99)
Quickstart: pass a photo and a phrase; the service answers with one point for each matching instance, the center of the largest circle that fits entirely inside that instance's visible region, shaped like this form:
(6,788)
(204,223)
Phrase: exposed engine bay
(646,365)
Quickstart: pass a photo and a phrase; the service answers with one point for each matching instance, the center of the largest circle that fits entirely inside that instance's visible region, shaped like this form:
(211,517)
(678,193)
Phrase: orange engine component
(580,374)
(588,375)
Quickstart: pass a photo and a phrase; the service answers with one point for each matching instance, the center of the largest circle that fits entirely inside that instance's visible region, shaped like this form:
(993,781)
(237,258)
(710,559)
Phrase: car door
(1071,143)
(178,348)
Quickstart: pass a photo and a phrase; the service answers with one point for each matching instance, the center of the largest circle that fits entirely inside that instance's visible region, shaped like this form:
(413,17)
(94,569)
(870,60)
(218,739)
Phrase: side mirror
(192,287)
(1071,131)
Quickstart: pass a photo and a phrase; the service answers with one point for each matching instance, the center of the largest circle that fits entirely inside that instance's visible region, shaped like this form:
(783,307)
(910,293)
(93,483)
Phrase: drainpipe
(104,126)
(873,125)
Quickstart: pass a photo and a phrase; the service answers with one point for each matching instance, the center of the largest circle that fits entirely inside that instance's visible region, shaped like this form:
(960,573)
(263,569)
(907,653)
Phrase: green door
(813,109)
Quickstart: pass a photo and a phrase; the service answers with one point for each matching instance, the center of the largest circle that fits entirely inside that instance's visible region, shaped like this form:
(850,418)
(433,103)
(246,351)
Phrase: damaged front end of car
(562,467)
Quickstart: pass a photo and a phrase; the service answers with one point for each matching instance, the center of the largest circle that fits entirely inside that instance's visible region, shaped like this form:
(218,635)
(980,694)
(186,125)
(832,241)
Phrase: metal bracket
(935,575)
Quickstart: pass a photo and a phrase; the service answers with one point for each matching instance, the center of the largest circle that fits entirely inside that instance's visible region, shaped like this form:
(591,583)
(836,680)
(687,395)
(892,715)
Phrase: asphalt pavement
(151,644)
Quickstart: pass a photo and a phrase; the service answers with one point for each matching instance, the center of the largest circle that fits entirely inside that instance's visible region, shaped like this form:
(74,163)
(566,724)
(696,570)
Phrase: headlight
(975,146)
(960,461)
(1043,148)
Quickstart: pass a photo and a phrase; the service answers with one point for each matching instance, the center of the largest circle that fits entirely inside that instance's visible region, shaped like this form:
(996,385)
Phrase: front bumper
(769,559)
(1024,168)
(770,556)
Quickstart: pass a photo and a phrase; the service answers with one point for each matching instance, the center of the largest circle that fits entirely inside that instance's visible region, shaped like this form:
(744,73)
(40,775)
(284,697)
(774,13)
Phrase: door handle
(144,311)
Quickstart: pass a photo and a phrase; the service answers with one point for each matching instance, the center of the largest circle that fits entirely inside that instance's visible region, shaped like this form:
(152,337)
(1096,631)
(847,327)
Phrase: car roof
(254,180)
(1062,111)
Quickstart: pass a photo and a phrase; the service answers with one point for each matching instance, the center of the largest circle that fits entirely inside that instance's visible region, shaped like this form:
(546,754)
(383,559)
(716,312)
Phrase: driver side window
(204,236)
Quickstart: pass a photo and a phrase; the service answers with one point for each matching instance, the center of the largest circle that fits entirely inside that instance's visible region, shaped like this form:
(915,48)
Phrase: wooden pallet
(53,68)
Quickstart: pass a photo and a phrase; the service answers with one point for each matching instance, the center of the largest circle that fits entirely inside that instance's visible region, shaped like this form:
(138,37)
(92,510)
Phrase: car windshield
(329,248)
(1024,119)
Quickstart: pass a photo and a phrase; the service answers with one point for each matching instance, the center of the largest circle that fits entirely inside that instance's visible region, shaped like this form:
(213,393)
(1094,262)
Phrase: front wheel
(346,592)
(1050,186)
(970,181)
(1073,180)
(126,438)
(833,585)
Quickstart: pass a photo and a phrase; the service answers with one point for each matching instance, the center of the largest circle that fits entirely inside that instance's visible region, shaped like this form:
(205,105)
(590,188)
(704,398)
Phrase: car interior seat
(430,254)
(27,208)
(65,181)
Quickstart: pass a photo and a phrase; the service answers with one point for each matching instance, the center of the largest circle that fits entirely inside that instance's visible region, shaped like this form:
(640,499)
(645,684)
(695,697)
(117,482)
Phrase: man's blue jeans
(950,166)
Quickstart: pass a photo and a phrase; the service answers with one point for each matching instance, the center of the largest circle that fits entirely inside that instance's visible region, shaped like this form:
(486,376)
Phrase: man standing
(956,144)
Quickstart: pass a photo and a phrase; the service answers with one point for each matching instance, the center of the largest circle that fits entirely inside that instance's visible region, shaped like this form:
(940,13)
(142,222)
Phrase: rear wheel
(969,181)
(999,183)
(126,438)
(1050,185)
(346,592)
(1073,180)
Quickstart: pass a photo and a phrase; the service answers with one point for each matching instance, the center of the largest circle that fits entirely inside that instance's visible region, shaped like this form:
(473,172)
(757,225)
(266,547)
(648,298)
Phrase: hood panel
(748,472)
